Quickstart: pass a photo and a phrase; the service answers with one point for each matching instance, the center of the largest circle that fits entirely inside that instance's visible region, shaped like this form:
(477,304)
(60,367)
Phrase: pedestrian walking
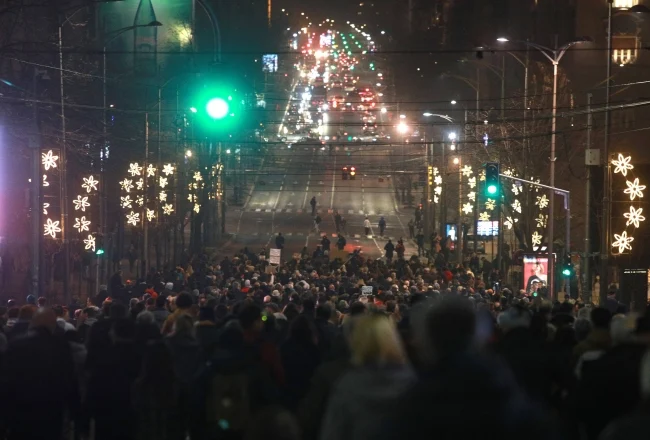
(420,241)
(341,242)
(312,202)
(389,248)
(279,241)
(400,249)
(366,226)
(317,221)
(382,226)
(411,226)
(325,242)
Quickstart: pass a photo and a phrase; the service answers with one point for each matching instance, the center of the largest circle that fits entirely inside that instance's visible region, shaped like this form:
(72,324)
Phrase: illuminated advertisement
(535,272)
(270,63)
(490,228)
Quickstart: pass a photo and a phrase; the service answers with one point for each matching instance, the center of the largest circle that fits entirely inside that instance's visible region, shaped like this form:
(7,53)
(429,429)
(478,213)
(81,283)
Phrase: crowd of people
(320,349)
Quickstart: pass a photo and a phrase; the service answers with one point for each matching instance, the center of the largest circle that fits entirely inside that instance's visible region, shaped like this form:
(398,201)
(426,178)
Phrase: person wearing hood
(380,375)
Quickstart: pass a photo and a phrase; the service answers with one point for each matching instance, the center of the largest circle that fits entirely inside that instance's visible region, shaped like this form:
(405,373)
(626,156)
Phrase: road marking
(287,210)
(333,183)
(257,210)
(361,212)
(350,211)
(311,163)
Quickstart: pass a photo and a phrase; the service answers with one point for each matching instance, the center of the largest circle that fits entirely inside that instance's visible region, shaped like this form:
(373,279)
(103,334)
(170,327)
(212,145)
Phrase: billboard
(490,228)
(145,49)
(535,272)
(270,63)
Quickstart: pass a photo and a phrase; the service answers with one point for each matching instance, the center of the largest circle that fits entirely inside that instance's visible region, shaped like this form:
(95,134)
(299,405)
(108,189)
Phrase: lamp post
(607,202)
(554,56)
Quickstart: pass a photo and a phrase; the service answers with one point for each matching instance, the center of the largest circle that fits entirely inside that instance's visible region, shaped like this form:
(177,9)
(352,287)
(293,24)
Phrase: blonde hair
(374,340)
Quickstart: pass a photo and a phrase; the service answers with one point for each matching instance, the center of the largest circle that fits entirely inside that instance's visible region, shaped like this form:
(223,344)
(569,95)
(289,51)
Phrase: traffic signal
(353,173)
(99,244)
(344,173)
(492,181)
(567,267)
(217,107)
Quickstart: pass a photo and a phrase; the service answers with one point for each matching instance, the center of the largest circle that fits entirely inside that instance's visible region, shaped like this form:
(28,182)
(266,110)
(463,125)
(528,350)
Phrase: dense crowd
(320,349)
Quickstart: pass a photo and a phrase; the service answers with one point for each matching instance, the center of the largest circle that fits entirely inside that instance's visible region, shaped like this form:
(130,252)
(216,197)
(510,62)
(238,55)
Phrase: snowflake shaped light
(126,202)
(49,160)
(436,199)
(482,176)
(438,190)
(472,182)
(490,204)
(467,208)
(140,200)
(516,205)
(542,201)
(139,184)
(90,183)
(197,208)
(162,196)
(516,189)
(472,196)
(168,209)
(162,182)
(467,171)
(634,217)
(484,216)
(81,203)
(45,182)
(197,176)
(168,169)
(133,218)
(507,172)
(81,224)
(437,180)
(135,169)
(127,185)
(189,197)
(634,189)
(541,220)
(622,242)
(151,170)
(508,223)
(622,164)
(45,206)
(537,187)
(51,228)
(536,239)
(150,214)
(90,243)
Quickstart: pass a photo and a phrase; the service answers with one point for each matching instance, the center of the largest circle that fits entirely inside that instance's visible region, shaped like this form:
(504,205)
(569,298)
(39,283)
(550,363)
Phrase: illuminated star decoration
(139,183)
(467,208)
(472,196)
(150,214)
(438,190)
(90,243)
(197,208)
(516,189)
(168,169)
(634,189)
(127,185)
(541,220)
(484,216)
(45,182)
(467,171)
(508,223)
(622,242)
(163,182)
(168,209)
(471,182)
(516,205)
(189,197)
(49,160)
(151,171)
(542,201)
(135,169)
(438,180)
(634,217)
(126,202)
(51,228)
(90,183)
(197,176)
(163,196)
(45,206)
(536,239)
(81,203)
(140,200)
(490,204)
(482,176)
(133,218)
(508,172)
(623,164)
(435,199)
(81,224)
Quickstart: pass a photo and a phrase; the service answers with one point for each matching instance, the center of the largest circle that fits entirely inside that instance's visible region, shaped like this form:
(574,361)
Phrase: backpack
(228,403)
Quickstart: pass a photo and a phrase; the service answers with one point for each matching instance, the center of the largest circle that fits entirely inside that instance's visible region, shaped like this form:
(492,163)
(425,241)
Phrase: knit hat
(247,283)
(169,286)
(31,299)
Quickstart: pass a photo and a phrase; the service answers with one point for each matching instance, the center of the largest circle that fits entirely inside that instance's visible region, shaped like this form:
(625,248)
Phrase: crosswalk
(319,211)
(334,236)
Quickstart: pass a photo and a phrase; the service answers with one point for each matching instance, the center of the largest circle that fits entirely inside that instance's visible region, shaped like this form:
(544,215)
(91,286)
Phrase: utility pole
(36,205)
(145,223)
(586,269)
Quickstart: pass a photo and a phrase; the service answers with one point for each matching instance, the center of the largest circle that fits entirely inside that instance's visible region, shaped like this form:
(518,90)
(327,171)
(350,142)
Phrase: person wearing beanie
(31,300)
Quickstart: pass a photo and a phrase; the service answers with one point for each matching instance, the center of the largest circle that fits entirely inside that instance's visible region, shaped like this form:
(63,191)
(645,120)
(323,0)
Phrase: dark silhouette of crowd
(320,349)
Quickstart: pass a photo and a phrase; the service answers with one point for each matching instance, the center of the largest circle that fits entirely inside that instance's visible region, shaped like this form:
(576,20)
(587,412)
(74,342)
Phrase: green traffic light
(99,252)
(566,272)
(492,189)
(217,108)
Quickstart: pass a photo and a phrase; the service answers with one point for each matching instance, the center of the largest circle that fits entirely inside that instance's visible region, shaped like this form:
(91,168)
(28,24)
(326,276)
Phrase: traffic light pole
(567,206)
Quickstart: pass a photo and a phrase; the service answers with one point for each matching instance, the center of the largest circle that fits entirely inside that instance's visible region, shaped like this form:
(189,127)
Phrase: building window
(625,49)
(625,4)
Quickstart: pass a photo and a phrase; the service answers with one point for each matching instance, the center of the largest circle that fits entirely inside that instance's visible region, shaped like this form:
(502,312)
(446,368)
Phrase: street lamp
(554,56)
(402,128)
